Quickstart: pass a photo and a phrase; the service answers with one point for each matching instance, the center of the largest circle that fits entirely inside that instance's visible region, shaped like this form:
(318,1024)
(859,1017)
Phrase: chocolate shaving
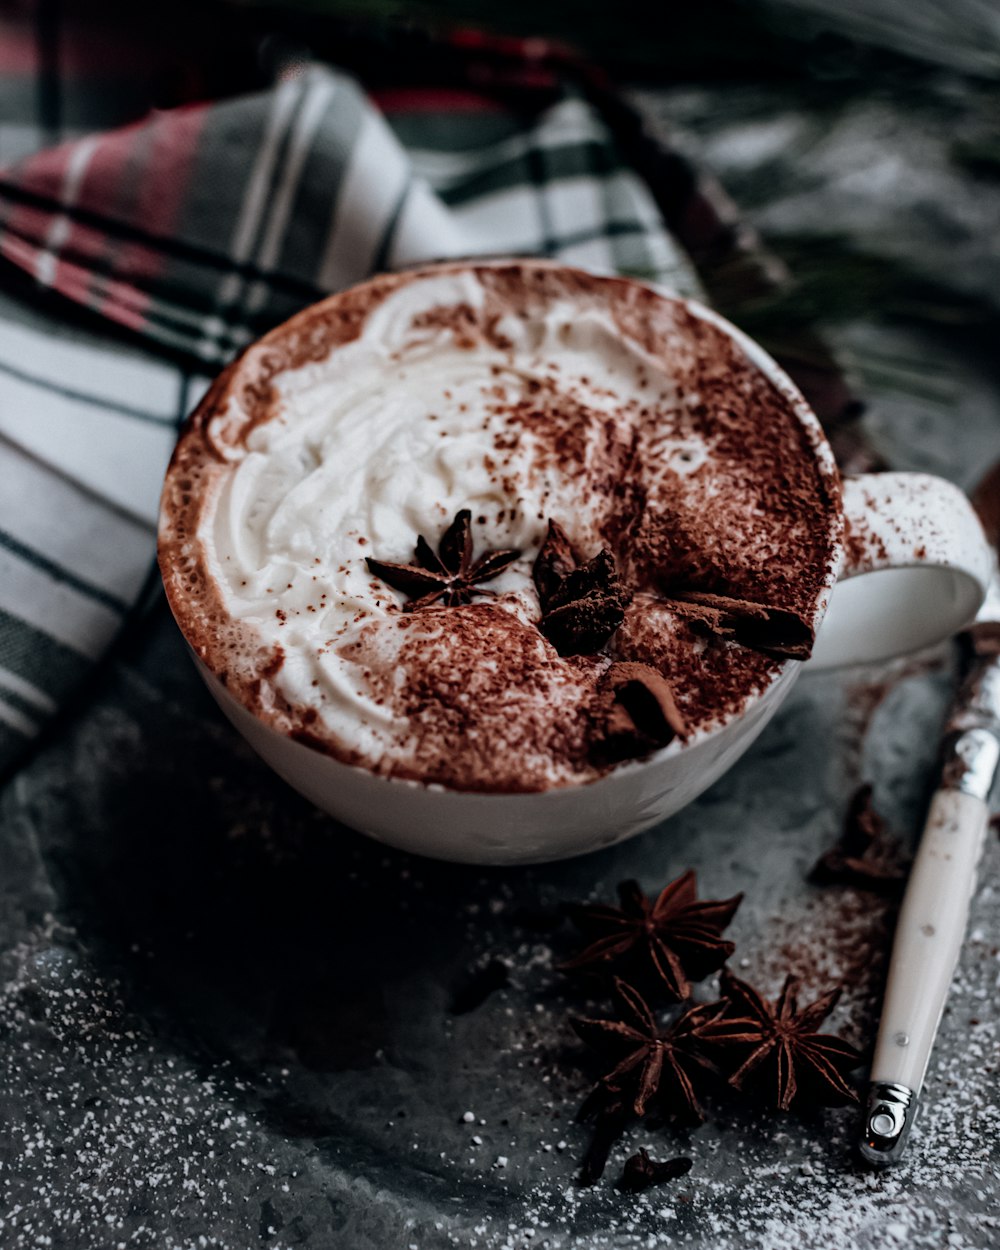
(641,1172)
(983,639)
(850,862)
(760,626)
(582,604)
(863,826)
(836,869)
(636,713)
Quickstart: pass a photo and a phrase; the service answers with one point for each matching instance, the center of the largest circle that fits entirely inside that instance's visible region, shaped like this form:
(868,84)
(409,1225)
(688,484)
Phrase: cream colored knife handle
(929,936)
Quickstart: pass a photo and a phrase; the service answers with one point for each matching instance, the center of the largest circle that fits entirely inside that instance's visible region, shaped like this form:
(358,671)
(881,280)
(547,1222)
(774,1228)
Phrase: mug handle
(915,570)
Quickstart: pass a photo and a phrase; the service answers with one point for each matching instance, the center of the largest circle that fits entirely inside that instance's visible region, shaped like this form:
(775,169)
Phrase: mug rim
(819,449)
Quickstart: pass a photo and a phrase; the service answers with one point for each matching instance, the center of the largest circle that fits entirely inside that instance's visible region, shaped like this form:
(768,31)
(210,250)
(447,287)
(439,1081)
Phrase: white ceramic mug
(913,570)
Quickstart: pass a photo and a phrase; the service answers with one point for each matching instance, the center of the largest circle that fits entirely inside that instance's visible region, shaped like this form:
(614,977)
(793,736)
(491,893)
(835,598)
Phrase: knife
(935,910)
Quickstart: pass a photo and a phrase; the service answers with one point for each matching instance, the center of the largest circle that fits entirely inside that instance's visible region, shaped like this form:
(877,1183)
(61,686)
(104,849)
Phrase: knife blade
(935,909)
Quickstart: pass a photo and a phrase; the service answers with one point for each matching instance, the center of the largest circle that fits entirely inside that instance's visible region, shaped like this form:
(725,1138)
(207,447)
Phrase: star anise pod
(652,1067)
(776,631)
(641,1172)
(676,939)
(450,577)
(609,1124)
(788,1060)
(583,603)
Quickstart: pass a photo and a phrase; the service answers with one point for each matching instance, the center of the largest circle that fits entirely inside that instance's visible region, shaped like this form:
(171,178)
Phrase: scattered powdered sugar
(100,1123)
(91,1083)
(120,1130)
(778,1182)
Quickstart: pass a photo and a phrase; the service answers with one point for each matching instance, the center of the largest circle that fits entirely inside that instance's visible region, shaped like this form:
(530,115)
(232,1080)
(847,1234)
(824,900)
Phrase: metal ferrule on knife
(970,762)
(970,751)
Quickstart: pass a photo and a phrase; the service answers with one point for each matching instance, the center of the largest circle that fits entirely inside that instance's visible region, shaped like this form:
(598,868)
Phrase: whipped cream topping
(447,397)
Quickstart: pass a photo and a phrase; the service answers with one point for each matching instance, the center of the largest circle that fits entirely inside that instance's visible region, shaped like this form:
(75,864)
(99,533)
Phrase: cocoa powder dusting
(837,937)
(711,679)
(489,726)
(488,702)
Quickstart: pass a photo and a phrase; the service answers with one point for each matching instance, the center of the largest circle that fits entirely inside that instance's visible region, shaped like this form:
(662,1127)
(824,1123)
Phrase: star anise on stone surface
(583,602)
(859,858)
(450,577)
(641,1172)
(775,631)
(652,1067)
(672,940)
(788,1060)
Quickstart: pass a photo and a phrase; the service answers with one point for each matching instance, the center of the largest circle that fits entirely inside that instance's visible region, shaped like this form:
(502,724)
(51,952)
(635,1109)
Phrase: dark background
(227,1022)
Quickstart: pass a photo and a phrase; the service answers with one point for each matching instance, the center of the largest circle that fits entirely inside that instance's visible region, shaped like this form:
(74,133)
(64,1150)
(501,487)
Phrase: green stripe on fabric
(82,397)
(280,173)
(457,131)
(385,243)
(169,245)
(634,257)
(541,179)
(125,207)
(31,710)
(41,661)
(322,179)
(163,317)
(574,160)
(604,165)
(609,230)
(56,571)
(47,31)
(12,743)
(230,302)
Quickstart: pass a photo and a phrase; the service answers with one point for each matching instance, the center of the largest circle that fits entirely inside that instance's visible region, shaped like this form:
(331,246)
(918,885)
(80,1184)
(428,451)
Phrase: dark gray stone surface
(224,1021)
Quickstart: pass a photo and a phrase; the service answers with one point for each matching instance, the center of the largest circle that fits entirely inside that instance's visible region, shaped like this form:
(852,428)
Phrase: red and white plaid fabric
(138,259)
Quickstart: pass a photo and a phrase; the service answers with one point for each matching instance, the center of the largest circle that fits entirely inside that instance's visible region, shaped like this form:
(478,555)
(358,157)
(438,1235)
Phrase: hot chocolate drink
(499,527)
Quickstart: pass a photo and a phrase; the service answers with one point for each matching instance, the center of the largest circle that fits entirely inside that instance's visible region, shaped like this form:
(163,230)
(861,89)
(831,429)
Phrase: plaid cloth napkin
(196,229)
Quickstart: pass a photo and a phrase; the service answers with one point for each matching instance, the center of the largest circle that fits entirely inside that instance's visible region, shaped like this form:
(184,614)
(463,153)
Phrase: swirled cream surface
(376,417)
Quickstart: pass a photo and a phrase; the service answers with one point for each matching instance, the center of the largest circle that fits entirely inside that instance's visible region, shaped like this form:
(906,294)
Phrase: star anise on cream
(674,939)
(583,602)
(784,1059)
(449,577)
